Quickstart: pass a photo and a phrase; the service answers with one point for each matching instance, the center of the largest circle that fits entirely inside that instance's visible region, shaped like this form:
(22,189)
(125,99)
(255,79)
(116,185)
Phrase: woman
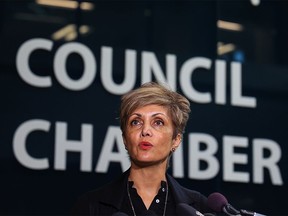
(152,120)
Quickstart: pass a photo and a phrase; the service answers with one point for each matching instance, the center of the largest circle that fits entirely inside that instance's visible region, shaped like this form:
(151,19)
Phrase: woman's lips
(145,145)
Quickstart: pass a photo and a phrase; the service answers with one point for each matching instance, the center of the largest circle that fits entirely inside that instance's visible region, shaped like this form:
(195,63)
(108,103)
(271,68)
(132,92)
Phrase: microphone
(218,203)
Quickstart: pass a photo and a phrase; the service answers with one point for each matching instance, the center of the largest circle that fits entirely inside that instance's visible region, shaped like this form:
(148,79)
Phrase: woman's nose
(146,130)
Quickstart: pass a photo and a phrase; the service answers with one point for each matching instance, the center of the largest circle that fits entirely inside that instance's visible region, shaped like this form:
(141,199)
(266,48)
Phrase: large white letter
(236,88)
(150,64)
(178,163)
(19,143)
(230,158)
(22,62)
(62,146)
(220,82)
(186,73)
(260,161)
(113,136)
(61,74)
(107,72)
(207,155)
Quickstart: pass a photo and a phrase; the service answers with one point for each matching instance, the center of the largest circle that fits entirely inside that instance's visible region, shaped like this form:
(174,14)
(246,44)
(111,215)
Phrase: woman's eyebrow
(154,114)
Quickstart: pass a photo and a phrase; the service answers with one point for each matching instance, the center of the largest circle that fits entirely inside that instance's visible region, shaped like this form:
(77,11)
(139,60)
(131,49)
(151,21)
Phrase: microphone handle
(244,212)
(230,210)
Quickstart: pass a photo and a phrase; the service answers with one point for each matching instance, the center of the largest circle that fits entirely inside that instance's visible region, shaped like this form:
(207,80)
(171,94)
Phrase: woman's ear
(177,141)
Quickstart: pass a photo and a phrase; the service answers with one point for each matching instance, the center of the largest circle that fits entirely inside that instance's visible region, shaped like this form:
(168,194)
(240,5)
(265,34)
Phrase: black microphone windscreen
(216,201)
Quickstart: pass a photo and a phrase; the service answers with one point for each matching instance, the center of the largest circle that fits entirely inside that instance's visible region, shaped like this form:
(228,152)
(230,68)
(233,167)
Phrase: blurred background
(64,65)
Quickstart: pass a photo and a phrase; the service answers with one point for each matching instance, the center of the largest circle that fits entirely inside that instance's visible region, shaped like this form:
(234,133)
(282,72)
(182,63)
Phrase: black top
(112,199)
(157,206)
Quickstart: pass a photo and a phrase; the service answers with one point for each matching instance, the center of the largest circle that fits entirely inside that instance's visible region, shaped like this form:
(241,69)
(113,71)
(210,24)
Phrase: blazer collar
(178,191)
(118,188)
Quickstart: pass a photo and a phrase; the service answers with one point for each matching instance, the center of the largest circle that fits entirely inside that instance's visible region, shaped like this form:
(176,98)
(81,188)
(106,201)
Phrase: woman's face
(148,136)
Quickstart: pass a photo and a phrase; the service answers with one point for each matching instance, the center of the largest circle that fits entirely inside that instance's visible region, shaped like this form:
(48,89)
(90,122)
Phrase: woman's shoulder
(194,195)
(92,198)
(189,196)
(180,188)
(110,187)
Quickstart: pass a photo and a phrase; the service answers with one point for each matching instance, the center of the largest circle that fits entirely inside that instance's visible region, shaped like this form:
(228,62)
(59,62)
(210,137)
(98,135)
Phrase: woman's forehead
(150,109)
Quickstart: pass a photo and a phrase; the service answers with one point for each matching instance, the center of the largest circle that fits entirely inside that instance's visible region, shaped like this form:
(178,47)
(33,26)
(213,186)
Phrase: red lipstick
(145,145)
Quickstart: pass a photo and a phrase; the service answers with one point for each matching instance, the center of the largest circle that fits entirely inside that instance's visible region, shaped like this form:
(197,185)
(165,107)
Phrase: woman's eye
(159,122)
(135,122)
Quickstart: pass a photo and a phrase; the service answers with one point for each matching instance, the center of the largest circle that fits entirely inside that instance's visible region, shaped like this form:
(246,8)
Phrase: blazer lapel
(117,190)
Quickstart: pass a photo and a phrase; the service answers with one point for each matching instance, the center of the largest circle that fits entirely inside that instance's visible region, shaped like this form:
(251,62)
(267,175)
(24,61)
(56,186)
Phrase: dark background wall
(186,30)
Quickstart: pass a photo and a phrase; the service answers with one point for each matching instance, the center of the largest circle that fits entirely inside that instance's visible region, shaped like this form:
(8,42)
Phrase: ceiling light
(255,2)
(229,25)
(65,33)
(225,48)
(69,32)
(66,4)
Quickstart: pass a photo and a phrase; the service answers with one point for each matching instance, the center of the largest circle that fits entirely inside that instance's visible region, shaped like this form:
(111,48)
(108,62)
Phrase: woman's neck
(147,182)
(148,177)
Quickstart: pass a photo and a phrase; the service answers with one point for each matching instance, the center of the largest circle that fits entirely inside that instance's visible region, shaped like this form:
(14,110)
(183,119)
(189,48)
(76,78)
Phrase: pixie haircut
(153,93)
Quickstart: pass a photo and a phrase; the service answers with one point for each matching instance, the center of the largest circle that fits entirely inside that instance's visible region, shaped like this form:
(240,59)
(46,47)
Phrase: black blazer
(107,200)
